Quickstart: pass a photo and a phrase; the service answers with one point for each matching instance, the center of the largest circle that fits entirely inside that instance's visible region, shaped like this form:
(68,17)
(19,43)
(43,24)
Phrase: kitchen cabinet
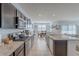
(8,15)
(32,41)
(20,15)
(60,47)
(47,40)
(20,20)
(49,44)
(57,47)
(0,15)
(20,51)
(26,46)
(29,44)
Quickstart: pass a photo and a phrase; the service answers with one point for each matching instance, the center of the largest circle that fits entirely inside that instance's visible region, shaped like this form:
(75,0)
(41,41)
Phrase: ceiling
(51,11)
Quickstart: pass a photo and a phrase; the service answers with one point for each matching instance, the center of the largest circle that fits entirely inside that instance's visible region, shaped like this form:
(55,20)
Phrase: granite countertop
(8,49)
(62,37)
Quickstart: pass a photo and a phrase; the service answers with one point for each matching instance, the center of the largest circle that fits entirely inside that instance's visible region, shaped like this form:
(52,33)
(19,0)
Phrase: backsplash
(5,32)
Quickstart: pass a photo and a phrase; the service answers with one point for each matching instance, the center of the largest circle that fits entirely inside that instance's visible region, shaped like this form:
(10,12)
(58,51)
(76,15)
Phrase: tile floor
(39,48)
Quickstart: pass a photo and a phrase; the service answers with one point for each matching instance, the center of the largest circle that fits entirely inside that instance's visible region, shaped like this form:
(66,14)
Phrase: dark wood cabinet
(57,47)
(60,47)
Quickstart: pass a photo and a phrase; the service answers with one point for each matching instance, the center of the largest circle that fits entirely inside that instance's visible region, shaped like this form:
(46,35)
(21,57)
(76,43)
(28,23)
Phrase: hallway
(39,48)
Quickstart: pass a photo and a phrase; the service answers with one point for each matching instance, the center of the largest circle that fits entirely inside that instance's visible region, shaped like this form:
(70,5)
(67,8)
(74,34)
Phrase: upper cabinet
(20,15)
(8,15)
(0,16)
(20,21)
(12,18)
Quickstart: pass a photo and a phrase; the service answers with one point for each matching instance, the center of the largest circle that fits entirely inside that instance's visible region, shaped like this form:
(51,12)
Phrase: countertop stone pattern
(8,49)
(62,37)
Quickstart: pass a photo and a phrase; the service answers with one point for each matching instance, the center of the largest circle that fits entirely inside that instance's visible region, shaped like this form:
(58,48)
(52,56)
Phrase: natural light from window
(68,29)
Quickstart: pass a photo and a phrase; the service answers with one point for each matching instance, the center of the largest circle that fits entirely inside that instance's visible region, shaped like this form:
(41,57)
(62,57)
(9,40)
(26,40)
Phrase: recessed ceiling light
(53,15)
(39,14)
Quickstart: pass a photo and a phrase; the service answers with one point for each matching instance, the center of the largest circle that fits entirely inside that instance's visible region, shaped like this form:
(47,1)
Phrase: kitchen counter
(71,42)
(8,49)
(62,37)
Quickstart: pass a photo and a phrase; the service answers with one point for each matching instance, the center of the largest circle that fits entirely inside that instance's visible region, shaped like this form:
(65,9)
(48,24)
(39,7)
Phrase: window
(69,29)
(72,29)
(41,27)
(64,29)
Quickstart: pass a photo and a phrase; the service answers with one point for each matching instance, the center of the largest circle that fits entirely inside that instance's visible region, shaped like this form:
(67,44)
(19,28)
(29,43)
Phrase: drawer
(60,43)
(60,47)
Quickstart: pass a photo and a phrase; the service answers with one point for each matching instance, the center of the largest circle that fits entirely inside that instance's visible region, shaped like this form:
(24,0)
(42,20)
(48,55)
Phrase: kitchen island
(62,45)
